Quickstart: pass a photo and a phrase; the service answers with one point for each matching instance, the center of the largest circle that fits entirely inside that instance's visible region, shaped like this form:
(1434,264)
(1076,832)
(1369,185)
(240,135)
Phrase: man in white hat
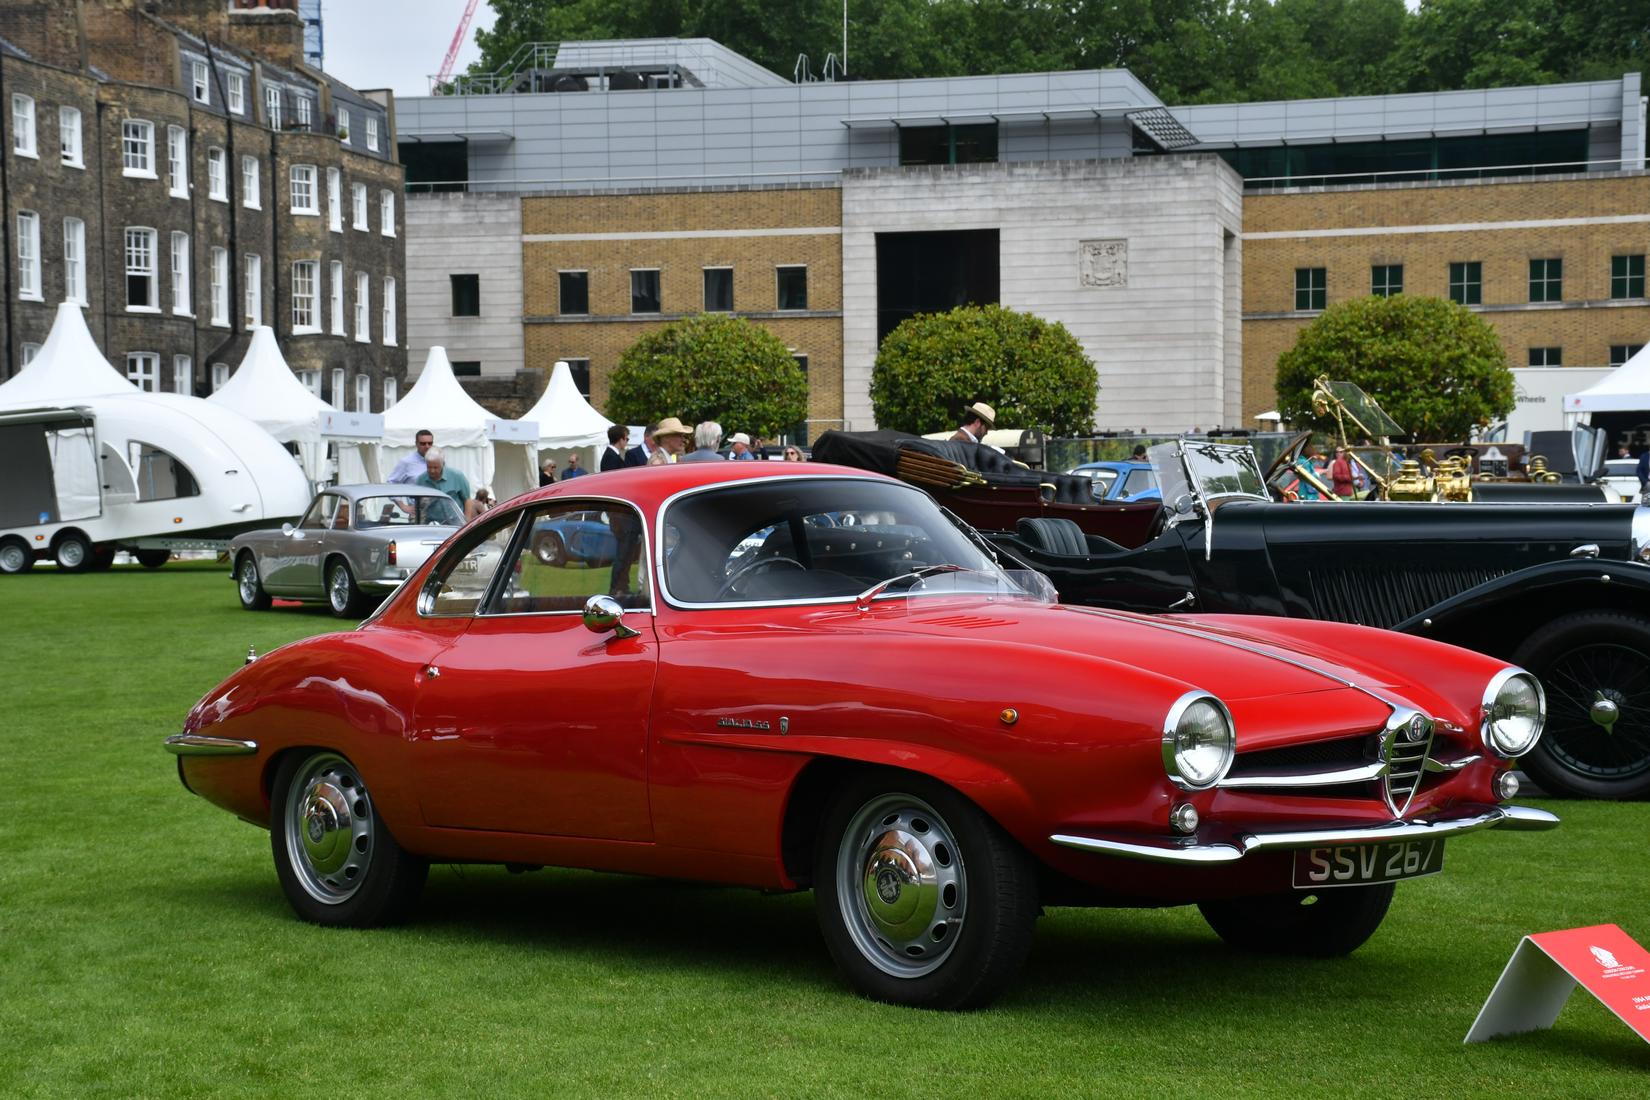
(978,419)
(740,443)
(671,435)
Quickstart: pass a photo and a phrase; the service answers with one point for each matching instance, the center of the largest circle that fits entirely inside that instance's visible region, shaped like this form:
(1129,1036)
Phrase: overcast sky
(396,44)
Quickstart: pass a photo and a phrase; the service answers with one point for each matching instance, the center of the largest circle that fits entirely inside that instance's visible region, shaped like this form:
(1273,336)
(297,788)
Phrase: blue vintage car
(1121,481)
(578,537)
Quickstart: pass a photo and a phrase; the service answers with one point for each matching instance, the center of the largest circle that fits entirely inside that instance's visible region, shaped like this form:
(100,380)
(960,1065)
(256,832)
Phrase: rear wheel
(337,862)
(152,559)
(1322,925)
(343,597)
(15,557)
(249,585)
(1595,667)
(73,552)
(550,550)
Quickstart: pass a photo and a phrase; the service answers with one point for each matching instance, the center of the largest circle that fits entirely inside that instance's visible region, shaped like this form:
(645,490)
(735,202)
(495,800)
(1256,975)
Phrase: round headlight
(1514,710)
(1197,741)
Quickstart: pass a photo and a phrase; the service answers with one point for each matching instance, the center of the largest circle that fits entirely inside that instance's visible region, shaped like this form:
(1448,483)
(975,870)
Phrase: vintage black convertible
(1560,589)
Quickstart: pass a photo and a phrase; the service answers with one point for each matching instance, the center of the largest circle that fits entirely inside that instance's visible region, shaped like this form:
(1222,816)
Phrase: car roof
(650,486)
(383,489)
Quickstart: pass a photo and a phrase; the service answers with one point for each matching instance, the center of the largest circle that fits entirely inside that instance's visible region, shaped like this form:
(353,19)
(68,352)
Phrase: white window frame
(220,287)
(372,133)
(217,175)
(29,351)
(183,370)
(23,137)
(338,388)
(392,394)
(335,200)
(306,297)
(358,206)
(143,370)
(74,260)
(29,285)
(181,296)
(141,243)
(363,393)
(251,187)
(311,380)
(199,85)
(343,125)
(363,308)
(177,162)
(386,212)
(69,136)
(389,311)
(272,106)
(302,195)
(236,94)
(301,103)
(220,376)
(253,298)
(137,148)
(336,291)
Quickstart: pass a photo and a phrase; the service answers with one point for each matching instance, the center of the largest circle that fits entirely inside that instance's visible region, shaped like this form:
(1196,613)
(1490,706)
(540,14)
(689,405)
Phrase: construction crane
(458,41)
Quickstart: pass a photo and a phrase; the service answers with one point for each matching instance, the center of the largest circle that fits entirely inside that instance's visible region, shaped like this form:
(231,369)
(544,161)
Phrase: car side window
(466,570)
(319,516)
(1139,481)
(570,551)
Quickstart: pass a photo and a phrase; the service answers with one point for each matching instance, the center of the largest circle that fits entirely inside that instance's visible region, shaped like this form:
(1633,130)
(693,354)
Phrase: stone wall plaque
(1103,263)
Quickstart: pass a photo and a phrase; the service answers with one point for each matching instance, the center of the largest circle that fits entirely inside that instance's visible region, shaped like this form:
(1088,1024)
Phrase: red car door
(528,722)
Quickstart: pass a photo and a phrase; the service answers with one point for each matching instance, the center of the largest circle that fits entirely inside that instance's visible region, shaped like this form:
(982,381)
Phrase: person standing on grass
(411,466)
(437,476)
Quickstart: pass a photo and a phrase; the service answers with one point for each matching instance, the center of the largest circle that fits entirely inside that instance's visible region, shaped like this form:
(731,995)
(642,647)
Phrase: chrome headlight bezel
(1173,748)
(1491,716)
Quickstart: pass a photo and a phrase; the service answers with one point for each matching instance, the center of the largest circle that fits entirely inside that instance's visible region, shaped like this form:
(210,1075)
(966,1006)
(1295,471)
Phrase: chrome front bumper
(1187,850)
(199,744)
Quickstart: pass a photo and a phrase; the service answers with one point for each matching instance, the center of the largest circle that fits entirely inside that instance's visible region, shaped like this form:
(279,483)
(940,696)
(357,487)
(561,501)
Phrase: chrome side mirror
(602,614)
(286,528)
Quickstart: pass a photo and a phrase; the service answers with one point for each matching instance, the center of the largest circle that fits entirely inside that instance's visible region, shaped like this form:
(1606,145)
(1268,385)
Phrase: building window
(311,381)
(29,352)
(358,202)
(1385,280)
(302,103)
(143,370)
(793,287)
(177,162)
(254,291)
(801,364)
(197,82)
(1546,357)
(217,175)
(1466,283)
(22,126)
(28,256)
(389,311)
(137,148)
(343,125)
(362,289)
(305,297)
(141,296)
(363,393)
(337,397)
(68,132)
(1546,280)
(237,101)
(272,106)
(948,144)
(575,293)
(1627,276)
(1311,285)
(718,290)
(644,290)
(251,191)
(303,190)
(74,260)
(180,275)
(183,374)
(386,213)
(467,368)
(466,295)
(337,298)
(1620,353)
(220,376)
(580,371)
(372,133)
(220,286)
(391,393)
(335,201)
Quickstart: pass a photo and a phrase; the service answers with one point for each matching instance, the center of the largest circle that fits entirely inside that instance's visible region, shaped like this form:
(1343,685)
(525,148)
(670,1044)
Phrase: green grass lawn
(145,949)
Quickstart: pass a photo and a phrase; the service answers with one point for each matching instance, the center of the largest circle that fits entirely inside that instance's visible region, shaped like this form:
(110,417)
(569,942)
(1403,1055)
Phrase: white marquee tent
(265,391)
(67,366)
(567,422)
(1625,389)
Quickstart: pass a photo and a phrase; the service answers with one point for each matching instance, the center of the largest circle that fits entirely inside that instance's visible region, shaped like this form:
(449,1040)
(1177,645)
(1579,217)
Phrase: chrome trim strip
(1361,774)
(199,744)
(1436,765)
(1173,850)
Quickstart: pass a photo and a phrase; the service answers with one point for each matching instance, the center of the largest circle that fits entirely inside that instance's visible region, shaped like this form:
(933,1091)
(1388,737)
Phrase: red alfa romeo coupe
(814,677)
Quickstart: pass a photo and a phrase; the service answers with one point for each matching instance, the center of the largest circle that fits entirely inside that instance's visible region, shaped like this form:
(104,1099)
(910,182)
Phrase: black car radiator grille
(1385,597)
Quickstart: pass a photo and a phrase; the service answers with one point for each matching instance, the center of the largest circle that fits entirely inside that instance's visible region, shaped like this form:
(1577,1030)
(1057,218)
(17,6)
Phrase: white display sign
(337,424)
(1539,396)
(512,431)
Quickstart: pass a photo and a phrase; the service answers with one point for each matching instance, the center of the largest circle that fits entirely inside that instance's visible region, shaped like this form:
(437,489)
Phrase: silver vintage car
(354,545)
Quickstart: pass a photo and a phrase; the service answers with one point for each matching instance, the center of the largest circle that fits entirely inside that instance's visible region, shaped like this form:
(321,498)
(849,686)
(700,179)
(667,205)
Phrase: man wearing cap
(741,447)
(671,436)
(977,420)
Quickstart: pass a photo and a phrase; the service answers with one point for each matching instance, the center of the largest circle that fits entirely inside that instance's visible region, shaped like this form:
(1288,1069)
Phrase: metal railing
(1429,174)
(564,183)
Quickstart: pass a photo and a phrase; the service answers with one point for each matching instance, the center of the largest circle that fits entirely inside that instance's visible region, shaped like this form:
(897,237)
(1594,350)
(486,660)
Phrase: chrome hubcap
(339,588)
(329,829)
(901,885)
(249,581)
(71,553)
(1606,709)
(11,559)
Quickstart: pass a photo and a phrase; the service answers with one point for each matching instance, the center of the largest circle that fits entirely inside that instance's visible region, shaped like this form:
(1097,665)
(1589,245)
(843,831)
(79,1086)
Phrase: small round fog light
(1506,785)
(1184,818)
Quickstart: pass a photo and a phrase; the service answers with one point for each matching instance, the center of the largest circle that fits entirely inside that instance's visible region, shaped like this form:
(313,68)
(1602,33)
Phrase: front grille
(1385,597)
(1345,752)
(1405,759)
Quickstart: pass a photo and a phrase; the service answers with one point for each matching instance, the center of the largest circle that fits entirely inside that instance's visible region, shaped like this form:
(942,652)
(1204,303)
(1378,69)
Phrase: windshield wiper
(863,600)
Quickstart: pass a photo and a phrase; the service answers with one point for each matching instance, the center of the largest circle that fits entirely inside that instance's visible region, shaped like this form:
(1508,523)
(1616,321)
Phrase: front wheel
(337,862)
(343,597)
(249,585)
(73,552)
(1595,667)
(922,899)
(1320,925)
(550,550)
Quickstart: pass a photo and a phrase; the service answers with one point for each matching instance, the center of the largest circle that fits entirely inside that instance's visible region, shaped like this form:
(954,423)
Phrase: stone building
(176,168)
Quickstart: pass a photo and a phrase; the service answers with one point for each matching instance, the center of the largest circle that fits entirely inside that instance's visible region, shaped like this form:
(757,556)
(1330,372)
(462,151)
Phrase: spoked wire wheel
(1598,722)
(901,885)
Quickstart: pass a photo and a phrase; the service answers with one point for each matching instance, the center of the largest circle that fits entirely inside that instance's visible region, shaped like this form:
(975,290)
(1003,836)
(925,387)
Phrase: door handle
(431,672)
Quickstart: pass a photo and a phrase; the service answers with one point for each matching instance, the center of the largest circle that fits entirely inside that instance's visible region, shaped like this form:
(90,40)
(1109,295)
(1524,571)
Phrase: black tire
(970,912)
(344,599)
(337,862)
(550,550)
(1320,925)
(152,559)
(73,552)
(1580,658)
(15,557)
(249,585)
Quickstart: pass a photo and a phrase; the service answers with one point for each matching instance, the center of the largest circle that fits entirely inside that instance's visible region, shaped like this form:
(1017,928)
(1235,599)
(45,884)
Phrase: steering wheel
(728,586)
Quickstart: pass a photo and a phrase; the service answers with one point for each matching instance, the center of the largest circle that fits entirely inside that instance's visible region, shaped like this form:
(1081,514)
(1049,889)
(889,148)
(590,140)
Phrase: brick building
(177,169)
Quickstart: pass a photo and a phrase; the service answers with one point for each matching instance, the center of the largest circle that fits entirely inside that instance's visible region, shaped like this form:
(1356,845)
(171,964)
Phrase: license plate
(1361,864)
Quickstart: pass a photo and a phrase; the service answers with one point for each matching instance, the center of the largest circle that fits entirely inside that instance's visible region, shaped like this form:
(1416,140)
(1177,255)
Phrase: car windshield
(824,540)
(429,511)
(1206,471)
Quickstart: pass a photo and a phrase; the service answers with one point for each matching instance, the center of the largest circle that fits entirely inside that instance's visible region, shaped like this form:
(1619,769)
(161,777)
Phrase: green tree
(1032,371)
(1435,367)
(710,367)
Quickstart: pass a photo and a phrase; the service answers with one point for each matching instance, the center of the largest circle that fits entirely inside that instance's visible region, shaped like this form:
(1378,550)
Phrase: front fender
(1497,615)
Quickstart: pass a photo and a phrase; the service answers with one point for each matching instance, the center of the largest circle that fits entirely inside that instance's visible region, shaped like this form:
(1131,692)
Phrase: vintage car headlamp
(1198,743)
(1514,710)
